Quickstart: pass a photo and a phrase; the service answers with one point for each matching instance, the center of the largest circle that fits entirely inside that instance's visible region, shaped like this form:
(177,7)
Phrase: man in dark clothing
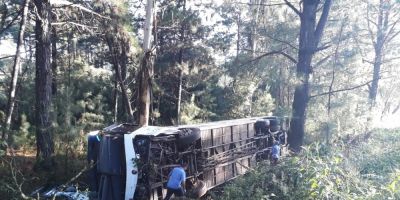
(176,182)
(92,154)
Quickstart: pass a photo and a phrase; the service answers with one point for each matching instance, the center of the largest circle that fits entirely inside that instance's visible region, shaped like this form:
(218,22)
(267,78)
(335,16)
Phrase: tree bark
(146,69)
(180,61)
(310,35)
(115,99)
(44,139)
(54,60)
(382,27)
(15,70)
(178,110)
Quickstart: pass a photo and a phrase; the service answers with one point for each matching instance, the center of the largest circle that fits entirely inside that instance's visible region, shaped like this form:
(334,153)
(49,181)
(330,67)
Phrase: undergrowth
(367,170)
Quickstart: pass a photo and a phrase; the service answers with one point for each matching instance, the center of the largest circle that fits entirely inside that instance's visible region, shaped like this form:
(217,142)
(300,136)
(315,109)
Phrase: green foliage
(369,170)
(22,137)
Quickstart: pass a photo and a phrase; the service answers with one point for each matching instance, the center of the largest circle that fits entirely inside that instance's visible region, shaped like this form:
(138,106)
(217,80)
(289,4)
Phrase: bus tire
(199,189)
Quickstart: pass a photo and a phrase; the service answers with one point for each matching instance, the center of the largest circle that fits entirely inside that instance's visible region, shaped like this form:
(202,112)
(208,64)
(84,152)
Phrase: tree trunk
(115,99)
(125,96)
(180,61)
(310,35)
(254,8)
(238,37)
(15,71)
(54,60)
(44,140)
(382,27)
(146,69)
(178,110)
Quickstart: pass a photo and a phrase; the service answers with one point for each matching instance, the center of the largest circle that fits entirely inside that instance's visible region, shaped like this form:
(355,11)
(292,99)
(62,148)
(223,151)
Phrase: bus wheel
(199,189)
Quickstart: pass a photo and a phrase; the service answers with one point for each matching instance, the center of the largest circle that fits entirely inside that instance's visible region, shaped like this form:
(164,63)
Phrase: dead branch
(322,21)
(87,167)
(273,53)
(292,7)
(11,22)
(16,184)
(80,7)
(282,41)
(75,24)
(261,4)
(5,57)
(341,90)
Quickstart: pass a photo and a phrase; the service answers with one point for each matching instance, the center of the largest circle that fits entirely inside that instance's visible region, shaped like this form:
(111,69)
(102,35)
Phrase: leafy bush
(367,171)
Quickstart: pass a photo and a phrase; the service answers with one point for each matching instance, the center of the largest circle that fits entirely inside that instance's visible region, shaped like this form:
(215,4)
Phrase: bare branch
(282,41)
(261,4)
(273,53)
(70,4)
(11,22)
(322,48)
(5,57)
(341,90)
(322,21)
(322,60)
(371,33)
(73,23)
(293,8)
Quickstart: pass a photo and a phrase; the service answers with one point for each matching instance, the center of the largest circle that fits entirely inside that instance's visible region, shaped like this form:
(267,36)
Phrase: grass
(369,169)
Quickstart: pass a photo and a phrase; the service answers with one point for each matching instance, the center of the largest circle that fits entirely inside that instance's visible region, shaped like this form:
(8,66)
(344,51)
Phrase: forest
(68,67)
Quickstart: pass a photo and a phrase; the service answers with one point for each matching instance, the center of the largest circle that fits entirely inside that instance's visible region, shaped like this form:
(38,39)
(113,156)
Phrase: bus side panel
(220,175)
(207,142)
(227,137)
(251,131)
(218,138)
(209,178)
(206,138)
(244,131)
(236,135)
(229,174)
(239,167)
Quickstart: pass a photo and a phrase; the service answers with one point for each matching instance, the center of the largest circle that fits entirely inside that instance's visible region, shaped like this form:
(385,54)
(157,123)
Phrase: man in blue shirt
(275,152)
(176,182)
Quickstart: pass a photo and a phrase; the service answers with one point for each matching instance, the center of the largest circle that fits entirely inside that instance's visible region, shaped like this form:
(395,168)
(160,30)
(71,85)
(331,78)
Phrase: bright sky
(7,47)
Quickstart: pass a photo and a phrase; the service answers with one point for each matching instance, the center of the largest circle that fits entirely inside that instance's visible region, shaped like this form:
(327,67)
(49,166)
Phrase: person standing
(275,152)
(92,157)
(176,182)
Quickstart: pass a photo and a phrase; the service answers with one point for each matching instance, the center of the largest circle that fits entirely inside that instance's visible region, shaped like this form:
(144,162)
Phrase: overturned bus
(134,163)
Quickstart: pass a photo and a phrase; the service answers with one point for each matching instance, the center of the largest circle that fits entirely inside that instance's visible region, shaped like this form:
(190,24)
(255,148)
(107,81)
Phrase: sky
(391,120)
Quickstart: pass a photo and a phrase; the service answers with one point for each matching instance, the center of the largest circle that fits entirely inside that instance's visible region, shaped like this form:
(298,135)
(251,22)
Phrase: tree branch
(282,41)
(261,4)
(273,53)
(371,33)
(293,8)
(322,21)
(323,47)
(322,61)
(67,3)
(10,23)
(5,57)
(73,23)
(341,90)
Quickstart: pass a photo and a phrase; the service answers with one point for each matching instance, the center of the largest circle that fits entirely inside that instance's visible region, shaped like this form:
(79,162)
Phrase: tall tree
(119,44)
(310,36)
(43,82)
(15,70)
(146,68)
(383,26)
